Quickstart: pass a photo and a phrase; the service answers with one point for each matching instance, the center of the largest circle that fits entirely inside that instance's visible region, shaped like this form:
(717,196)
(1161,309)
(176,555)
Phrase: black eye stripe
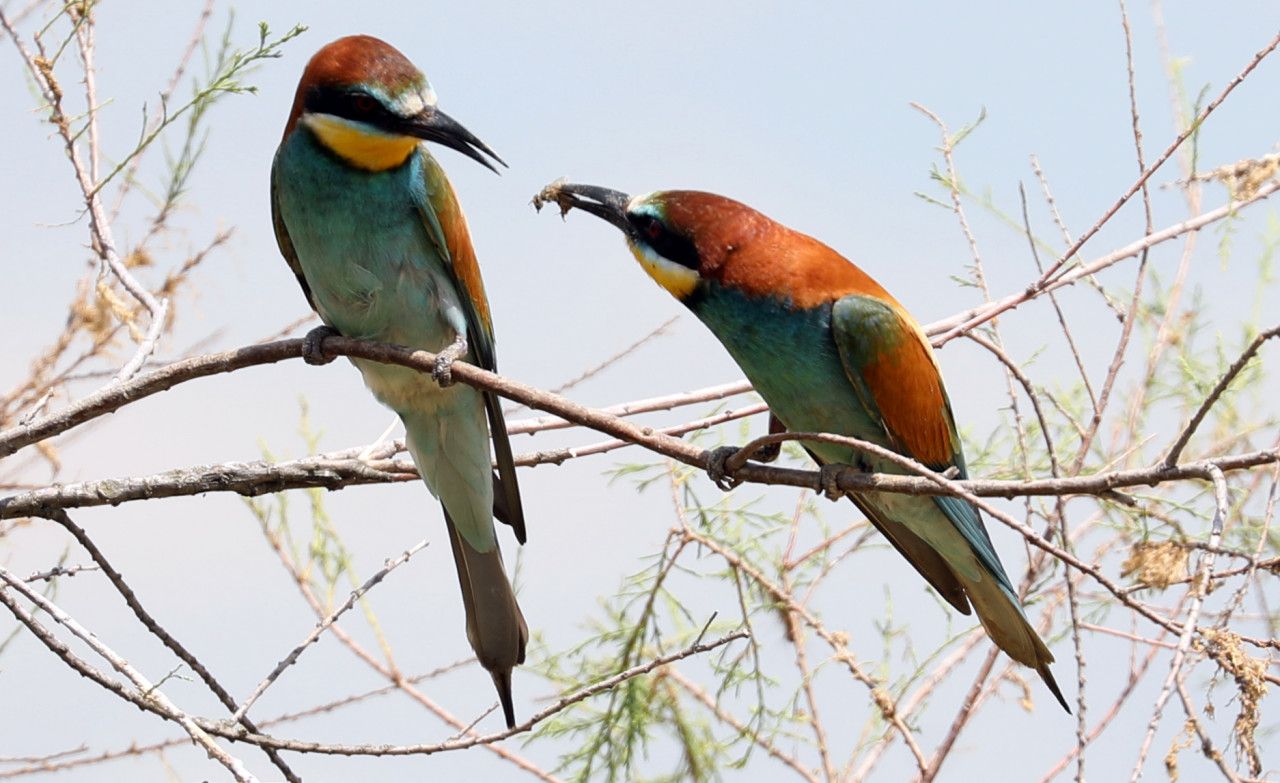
(665,242)
(348,104)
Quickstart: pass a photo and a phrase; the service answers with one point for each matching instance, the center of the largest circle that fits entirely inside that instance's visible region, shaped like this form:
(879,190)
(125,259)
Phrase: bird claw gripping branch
(829,476)
(442,371)
(718,469)
(313,345)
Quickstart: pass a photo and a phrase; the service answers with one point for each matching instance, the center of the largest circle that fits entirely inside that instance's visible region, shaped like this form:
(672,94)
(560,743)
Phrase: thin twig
(147,692)
(556,707)
(99,225)
(967,708)
(617,356)
(157,630)
(946,329)
(292,657)
(1189,626)
(664,402)
(1219,388)
(1051,274)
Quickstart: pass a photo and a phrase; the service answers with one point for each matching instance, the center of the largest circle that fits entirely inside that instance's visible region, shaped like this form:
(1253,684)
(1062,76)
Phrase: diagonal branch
(147,692)
(1235,369)
(1052,276)
(320,628)
(157,630)
(949,328)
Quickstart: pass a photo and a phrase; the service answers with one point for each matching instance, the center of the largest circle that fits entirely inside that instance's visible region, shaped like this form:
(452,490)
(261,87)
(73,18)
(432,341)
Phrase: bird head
(682,238)
(368,104)
(692,242)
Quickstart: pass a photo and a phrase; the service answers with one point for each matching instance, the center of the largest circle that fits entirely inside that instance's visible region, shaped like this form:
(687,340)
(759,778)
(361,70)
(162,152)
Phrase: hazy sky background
(800,110)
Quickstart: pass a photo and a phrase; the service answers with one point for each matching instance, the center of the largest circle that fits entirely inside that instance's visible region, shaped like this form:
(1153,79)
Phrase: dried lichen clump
(1244,177)
(1249,673)
(1156,564)
(1181,742)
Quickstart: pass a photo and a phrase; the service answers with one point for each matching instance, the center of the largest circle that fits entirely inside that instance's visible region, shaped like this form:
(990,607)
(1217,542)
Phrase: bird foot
(442,371)
(829,478)
(717,469)
(313,345)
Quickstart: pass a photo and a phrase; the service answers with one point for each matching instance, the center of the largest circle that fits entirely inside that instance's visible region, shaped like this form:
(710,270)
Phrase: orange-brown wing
(892,369)
(446,227)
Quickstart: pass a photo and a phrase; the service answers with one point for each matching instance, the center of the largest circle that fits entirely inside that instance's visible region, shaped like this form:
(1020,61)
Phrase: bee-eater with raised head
(370,225)
(830,351)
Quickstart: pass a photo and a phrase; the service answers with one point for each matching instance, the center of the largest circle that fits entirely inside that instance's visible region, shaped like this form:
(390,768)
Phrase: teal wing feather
(447,230)
(890,365)
(892,371)
(283,240)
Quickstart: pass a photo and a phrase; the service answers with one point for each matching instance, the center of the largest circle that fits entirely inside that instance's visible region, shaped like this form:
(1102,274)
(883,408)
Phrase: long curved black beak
(434,125)
(610,205)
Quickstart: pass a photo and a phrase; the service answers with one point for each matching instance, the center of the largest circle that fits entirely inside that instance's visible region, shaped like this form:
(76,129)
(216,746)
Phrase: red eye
(653,228)
(364,103)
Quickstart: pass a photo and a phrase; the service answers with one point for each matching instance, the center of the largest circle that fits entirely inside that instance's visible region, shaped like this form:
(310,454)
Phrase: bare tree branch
(147,692)
(320,628)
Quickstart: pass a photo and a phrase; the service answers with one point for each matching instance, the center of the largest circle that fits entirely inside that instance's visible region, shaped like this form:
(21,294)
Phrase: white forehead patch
(409,104)
(637,205)
(412,102)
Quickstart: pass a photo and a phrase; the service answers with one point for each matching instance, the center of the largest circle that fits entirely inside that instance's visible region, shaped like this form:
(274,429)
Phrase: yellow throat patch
(678,280)
(369,150)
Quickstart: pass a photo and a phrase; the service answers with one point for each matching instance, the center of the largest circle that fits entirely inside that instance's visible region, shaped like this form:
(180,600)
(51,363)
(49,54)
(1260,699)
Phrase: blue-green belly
(791,359)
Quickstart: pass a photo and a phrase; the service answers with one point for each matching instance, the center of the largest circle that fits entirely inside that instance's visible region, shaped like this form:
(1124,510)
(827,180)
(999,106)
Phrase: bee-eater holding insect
(370,225)
(830,351)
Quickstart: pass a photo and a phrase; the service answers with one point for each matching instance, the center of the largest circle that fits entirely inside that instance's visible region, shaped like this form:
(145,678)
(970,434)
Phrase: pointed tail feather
(922,557)
(495,625)
(450,446)
(992,596)
(502,681)
(1047,676)
(1008,628)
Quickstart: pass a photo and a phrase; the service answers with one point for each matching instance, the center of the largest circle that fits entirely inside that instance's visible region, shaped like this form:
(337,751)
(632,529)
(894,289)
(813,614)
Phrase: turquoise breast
(359,238)
(373,271)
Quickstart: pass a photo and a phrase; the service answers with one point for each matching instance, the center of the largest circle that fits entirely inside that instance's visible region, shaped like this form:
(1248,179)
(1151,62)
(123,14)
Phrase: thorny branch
(342,469)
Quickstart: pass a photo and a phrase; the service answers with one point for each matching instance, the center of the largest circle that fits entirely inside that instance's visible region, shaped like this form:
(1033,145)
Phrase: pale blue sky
(800,110)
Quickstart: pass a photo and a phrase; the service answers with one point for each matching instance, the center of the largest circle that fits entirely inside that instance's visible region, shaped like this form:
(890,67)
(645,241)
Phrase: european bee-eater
(370,225)
(830,351)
